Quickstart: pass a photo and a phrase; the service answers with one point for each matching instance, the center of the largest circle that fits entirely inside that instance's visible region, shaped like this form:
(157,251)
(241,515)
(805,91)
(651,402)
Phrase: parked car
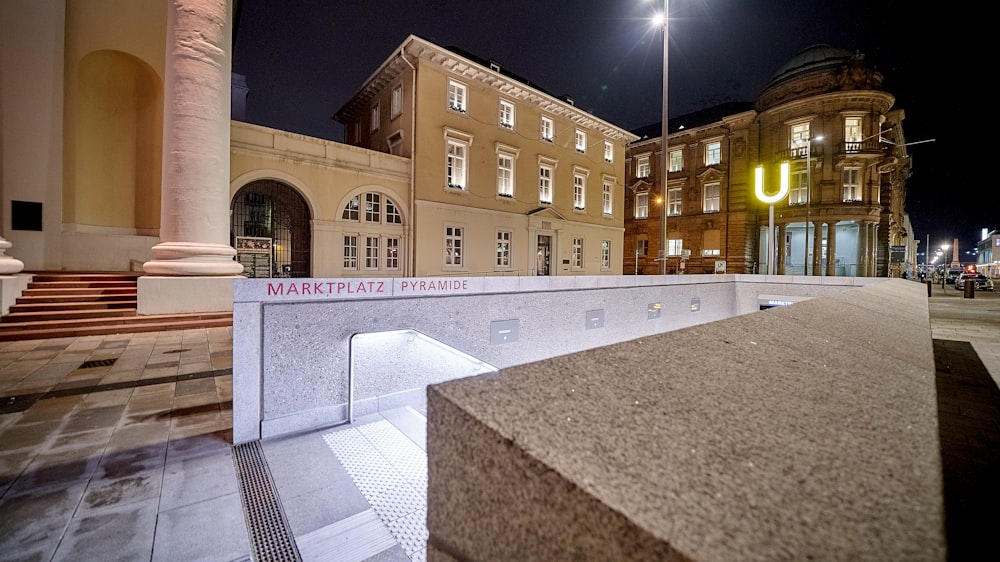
(983,283)
(953,274)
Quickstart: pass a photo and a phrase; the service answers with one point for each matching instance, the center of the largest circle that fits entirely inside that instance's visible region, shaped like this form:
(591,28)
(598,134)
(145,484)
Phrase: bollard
(929,285)
(970,289)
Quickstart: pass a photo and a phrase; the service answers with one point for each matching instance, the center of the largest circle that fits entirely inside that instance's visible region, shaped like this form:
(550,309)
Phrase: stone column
(194,209)
(873,250)
(831,249)
(817,252)
(862,249)
(779,263)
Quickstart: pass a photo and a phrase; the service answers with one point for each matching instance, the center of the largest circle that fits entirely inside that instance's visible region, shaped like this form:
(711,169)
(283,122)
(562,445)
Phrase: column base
(8,265)
(193,259)
(184,295)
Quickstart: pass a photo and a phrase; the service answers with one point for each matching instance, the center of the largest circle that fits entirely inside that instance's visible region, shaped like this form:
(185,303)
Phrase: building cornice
(472,71)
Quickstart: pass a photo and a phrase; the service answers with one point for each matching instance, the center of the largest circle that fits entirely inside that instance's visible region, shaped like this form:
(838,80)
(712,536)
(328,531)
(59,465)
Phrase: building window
(642,167)
(392,215)
(371,252)
(373,207)
(609,151)
(710,242)
(453,246)
(852,184)
(674,247)
(674,206)
(797,191)
(503,249)
(548,129)
(376,110)
(713,153)
(676,160)
(457,151)
(351,209)
(581,141)
(798,139)
(396,107)
(605,254)
(392,254)
(456,96)
(505,175)
(350,252)
(711,198)
(506,119)
(607,198)
(579,191)
(641,205)
(545,184)
(355,133)
(577,253)
(852,129)
(641,248)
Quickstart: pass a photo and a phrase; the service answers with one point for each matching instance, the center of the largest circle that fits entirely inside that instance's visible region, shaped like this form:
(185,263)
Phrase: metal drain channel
(97,363)
(270,536)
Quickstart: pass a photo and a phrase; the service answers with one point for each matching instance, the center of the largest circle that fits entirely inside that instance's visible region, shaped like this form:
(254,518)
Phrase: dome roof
(810,59)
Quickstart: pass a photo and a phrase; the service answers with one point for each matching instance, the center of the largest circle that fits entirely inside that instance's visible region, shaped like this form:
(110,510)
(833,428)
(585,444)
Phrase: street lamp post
(664,129)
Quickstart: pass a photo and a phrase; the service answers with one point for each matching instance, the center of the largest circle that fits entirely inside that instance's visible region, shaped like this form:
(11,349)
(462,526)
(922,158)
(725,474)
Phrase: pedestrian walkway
(119,447)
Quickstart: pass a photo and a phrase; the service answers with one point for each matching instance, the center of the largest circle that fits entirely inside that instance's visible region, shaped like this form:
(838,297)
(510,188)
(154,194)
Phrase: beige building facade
(507,179)
(825,116)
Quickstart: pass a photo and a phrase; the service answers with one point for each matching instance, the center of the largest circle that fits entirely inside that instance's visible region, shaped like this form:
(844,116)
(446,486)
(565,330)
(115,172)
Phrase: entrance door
(544,255)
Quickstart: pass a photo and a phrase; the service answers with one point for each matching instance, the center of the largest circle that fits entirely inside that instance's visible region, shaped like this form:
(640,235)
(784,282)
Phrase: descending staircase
(58,305)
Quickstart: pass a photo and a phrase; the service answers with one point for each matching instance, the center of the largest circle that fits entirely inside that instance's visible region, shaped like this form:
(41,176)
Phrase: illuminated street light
(771,200)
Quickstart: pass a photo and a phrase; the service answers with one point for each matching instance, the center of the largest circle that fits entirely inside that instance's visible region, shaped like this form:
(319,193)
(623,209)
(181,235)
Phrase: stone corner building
(825,115)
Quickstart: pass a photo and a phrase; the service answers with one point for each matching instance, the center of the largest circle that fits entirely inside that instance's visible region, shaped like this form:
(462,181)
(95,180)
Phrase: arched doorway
(270,230)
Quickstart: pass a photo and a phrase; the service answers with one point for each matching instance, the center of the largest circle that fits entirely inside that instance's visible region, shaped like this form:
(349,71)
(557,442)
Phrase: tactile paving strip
(390,470)
(271,538)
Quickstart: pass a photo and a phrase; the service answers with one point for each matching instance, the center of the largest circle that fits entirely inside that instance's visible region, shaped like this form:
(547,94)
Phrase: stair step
(39,295)
(77,331)
(71,314)
(74,305)
(82,276)
(120,321)
(80,284)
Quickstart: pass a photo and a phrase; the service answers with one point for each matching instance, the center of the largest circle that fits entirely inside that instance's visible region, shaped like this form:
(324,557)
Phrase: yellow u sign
(782,187)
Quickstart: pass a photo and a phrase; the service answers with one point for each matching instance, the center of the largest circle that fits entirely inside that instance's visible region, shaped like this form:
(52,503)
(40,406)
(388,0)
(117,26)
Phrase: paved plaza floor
(120,447)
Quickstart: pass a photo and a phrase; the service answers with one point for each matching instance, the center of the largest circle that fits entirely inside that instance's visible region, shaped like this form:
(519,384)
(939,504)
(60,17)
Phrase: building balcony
(871,146)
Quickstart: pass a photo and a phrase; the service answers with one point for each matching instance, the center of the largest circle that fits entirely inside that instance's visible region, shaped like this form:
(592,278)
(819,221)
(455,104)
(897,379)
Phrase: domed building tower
(824,113)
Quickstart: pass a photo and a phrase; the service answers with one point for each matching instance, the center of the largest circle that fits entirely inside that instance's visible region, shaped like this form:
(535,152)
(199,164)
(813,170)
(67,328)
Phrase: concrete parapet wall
(802,432)
(294,361)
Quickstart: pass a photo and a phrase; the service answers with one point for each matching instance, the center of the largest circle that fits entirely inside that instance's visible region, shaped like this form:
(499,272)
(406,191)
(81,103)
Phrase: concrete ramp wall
(805,432)
(292,338)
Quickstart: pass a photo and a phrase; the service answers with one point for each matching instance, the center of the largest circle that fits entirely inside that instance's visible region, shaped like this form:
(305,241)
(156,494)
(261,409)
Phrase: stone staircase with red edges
(60,304)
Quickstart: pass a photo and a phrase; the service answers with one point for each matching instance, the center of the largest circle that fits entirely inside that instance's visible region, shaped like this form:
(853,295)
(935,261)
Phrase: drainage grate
(98,363)
(270,537)
(177,351)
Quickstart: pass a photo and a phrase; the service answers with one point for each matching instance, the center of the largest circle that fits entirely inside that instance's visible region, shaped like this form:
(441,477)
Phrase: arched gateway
(270,229)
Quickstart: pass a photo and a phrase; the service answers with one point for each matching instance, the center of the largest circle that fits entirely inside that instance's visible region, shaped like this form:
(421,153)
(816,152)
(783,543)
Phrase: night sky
(303,59)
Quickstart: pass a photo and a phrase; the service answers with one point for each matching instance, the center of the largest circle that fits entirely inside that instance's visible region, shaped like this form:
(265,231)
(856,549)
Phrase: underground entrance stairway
(60,304)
